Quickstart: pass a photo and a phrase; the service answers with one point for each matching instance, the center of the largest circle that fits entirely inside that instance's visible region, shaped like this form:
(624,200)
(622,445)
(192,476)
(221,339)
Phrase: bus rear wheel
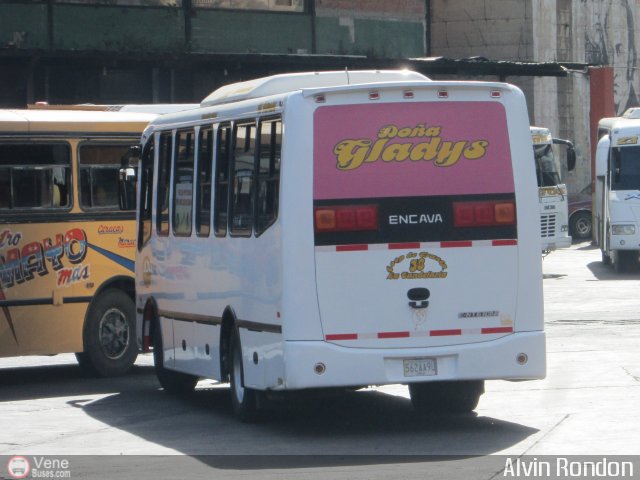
(244,401)
(460,396)
(109,344)
(173,382)
(625,261)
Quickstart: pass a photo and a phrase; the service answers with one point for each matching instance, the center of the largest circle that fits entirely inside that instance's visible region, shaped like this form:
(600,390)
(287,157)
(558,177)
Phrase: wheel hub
(113,333)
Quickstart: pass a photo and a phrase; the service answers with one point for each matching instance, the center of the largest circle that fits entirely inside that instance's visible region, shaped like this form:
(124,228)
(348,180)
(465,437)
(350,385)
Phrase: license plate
(420,367)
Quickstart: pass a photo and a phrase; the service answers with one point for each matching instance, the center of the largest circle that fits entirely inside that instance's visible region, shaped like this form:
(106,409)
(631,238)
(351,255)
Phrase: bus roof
(52,121)
(248,102)
(290,82)
(620,124)
(157,108)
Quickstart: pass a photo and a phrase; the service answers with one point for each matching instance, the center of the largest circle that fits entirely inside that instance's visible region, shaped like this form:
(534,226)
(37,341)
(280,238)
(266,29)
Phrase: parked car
(580,214)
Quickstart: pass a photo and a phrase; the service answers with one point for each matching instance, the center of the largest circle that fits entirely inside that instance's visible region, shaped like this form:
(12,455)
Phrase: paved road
(587,405)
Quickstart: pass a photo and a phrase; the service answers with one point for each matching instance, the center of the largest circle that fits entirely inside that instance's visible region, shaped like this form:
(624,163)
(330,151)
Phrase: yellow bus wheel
(109,334)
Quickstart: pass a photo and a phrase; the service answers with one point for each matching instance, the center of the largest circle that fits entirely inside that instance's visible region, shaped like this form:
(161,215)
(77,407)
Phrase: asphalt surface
(587,405)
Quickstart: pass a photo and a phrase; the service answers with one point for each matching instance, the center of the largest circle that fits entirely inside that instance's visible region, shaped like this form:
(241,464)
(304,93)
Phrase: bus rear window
(35,176)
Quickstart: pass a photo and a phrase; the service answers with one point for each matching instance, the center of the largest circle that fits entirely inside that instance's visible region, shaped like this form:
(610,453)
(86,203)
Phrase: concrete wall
(233,31)
(23,25)
(496,29)
(377,28)
(541,31)
(118,51)
(119,29)
(608,33)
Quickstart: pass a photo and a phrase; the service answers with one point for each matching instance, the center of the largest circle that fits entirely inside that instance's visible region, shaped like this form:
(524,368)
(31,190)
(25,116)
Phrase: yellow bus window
(34,176)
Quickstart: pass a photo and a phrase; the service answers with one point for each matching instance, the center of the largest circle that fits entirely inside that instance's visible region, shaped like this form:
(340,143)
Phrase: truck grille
(547,226)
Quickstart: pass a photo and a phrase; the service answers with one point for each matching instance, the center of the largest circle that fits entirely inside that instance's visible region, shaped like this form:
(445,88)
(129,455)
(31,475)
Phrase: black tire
(109,335)
(173,382)
(244,401)
(606,258)
(625,261)
(446,397)
(581,225)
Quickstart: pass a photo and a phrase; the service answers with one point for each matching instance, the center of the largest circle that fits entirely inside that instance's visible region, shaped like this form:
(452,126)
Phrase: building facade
(594,32)
(126,51)
(150,51)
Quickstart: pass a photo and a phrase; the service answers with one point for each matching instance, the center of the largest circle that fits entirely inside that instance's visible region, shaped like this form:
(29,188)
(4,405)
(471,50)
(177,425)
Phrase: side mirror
(571,158)
(128,178)
(571,152)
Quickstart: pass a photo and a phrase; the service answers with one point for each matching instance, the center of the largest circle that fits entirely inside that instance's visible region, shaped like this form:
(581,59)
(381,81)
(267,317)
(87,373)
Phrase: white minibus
(554,203)
(617,199)
(342,229)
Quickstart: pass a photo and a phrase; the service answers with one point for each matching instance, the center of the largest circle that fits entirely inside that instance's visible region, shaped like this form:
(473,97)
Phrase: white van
(554,203)
(342,229)
(617,200)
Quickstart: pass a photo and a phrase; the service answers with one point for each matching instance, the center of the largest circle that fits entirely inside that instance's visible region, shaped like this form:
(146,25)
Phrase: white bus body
(554,205)
(400,242)
(617,202)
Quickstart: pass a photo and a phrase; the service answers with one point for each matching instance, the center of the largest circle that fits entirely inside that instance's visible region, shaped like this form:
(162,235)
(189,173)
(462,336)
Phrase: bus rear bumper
(502,358)
(555,243)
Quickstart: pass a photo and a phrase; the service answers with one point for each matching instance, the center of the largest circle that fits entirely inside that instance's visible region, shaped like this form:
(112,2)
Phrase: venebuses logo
(38,467)
(18,467)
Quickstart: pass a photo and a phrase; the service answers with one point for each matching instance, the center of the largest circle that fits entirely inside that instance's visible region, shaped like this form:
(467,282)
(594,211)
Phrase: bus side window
(183,182)
(5,187)
(615,165)
(146,192)
(223,139)
(35,176)
(203,187)
(99,166)
(268,185)
(164,177)
(243,171)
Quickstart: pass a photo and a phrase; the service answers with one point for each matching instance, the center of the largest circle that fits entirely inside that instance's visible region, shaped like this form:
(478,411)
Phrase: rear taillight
(346,218)
(484,213)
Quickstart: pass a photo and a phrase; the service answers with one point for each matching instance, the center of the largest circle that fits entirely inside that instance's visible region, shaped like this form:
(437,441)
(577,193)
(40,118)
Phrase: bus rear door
(415,223)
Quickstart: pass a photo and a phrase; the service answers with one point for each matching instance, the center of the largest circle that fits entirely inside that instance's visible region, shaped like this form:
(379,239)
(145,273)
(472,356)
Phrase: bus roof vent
(633,112)
(290,82)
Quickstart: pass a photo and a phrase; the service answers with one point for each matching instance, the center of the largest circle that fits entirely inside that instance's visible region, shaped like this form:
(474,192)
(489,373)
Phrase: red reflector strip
(429,333)
(444,333)
(416,245)
(486,331)
(503,243)
(463,243)
(342,336)
(393,335)
(351,248)
(401,246)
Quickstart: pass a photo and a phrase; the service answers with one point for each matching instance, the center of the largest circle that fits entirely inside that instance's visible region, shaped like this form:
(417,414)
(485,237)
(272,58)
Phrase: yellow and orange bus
(66,248)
